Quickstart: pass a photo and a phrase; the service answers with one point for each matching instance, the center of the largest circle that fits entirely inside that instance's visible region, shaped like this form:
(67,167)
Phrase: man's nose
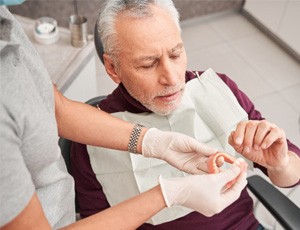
(167,74)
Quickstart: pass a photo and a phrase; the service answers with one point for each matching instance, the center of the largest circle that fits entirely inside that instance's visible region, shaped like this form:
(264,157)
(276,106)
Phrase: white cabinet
(90,82)
(85,85)
(281,17)
(289,28)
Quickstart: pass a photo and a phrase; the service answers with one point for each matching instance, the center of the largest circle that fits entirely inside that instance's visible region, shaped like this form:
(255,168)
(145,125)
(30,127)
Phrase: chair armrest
(282,208)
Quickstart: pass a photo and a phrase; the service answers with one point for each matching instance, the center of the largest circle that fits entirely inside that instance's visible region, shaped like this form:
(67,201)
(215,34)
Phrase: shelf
(63,61)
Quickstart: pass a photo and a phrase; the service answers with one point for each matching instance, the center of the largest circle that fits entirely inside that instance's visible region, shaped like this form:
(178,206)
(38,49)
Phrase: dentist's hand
(205,193)
(179,150)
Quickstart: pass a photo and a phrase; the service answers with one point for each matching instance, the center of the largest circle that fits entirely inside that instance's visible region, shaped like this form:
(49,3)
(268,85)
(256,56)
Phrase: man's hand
(179,150)
(261,142)
(204,193)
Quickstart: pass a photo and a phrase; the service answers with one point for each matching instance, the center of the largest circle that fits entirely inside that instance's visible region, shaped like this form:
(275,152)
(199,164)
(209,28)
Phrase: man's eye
(175,57)
(147,66)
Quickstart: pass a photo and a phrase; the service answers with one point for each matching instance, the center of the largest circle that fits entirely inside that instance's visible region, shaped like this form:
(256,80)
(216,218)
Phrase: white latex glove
(205,193)
(179,150)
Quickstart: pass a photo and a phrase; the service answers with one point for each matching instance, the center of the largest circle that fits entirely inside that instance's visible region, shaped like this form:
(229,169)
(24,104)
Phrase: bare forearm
(85,124)
(288,176)
(129,214)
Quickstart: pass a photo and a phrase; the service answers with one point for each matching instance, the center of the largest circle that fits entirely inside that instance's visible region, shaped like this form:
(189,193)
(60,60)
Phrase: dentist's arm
(86,124)
(203,193)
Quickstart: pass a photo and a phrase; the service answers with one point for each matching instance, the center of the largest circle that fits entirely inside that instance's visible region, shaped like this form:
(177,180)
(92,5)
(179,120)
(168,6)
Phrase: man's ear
(111,69)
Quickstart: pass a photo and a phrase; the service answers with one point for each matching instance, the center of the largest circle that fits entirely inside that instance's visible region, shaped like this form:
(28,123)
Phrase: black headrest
(98,43)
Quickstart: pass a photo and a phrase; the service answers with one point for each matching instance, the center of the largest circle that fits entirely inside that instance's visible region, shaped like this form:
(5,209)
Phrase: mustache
(171,90)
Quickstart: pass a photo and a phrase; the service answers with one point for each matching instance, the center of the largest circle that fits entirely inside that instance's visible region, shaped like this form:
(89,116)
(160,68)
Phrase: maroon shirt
(91,198)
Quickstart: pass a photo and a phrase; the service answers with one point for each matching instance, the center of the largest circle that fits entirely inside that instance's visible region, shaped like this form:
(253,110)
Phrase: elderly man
(145,55)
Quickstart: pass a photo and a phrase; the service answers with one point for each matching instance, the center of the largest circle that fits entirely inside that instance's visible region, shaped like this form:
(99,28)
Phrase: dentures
(213,167)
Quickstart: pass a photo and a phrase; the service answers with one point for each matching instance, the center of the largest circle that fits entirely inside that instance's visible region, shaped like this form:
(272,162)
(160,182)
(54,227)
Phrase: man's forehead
(177,47)
(154,54)
(146,38)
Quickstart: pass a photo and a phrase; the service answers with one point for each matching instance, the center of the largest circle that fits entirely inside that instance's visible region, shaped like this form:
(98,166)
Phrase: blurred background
(62,9)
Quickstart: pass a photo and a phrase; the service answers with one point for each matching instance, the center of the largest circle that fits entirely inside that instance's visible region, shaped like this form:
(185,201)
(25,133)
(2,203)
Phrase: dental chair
(279,205)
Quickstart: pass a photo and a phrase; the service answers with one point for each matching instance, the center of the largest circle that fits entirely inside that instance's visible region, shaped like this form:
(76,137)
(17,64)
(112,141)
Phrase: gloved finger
(233,193)
(241,180)
(196,171)
(198,147)
(202,166)
(197,165)
(229,174)
(199,169)
(220,161)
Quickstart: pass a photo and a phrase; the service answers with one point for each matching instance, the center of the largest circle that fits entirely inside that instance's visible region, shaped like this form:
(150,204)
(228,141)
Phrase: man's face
(152,61)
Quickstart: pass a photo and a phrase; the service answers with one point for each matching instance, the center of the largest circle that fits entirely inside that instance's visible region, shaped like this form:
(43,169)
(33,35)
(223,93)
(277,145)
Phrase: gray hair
(133,8)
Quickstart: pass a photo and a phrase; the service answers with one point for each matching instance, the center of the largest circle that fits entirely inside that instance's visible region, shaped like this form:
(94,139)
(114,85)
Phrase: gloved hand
(205,193)
(179,150)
